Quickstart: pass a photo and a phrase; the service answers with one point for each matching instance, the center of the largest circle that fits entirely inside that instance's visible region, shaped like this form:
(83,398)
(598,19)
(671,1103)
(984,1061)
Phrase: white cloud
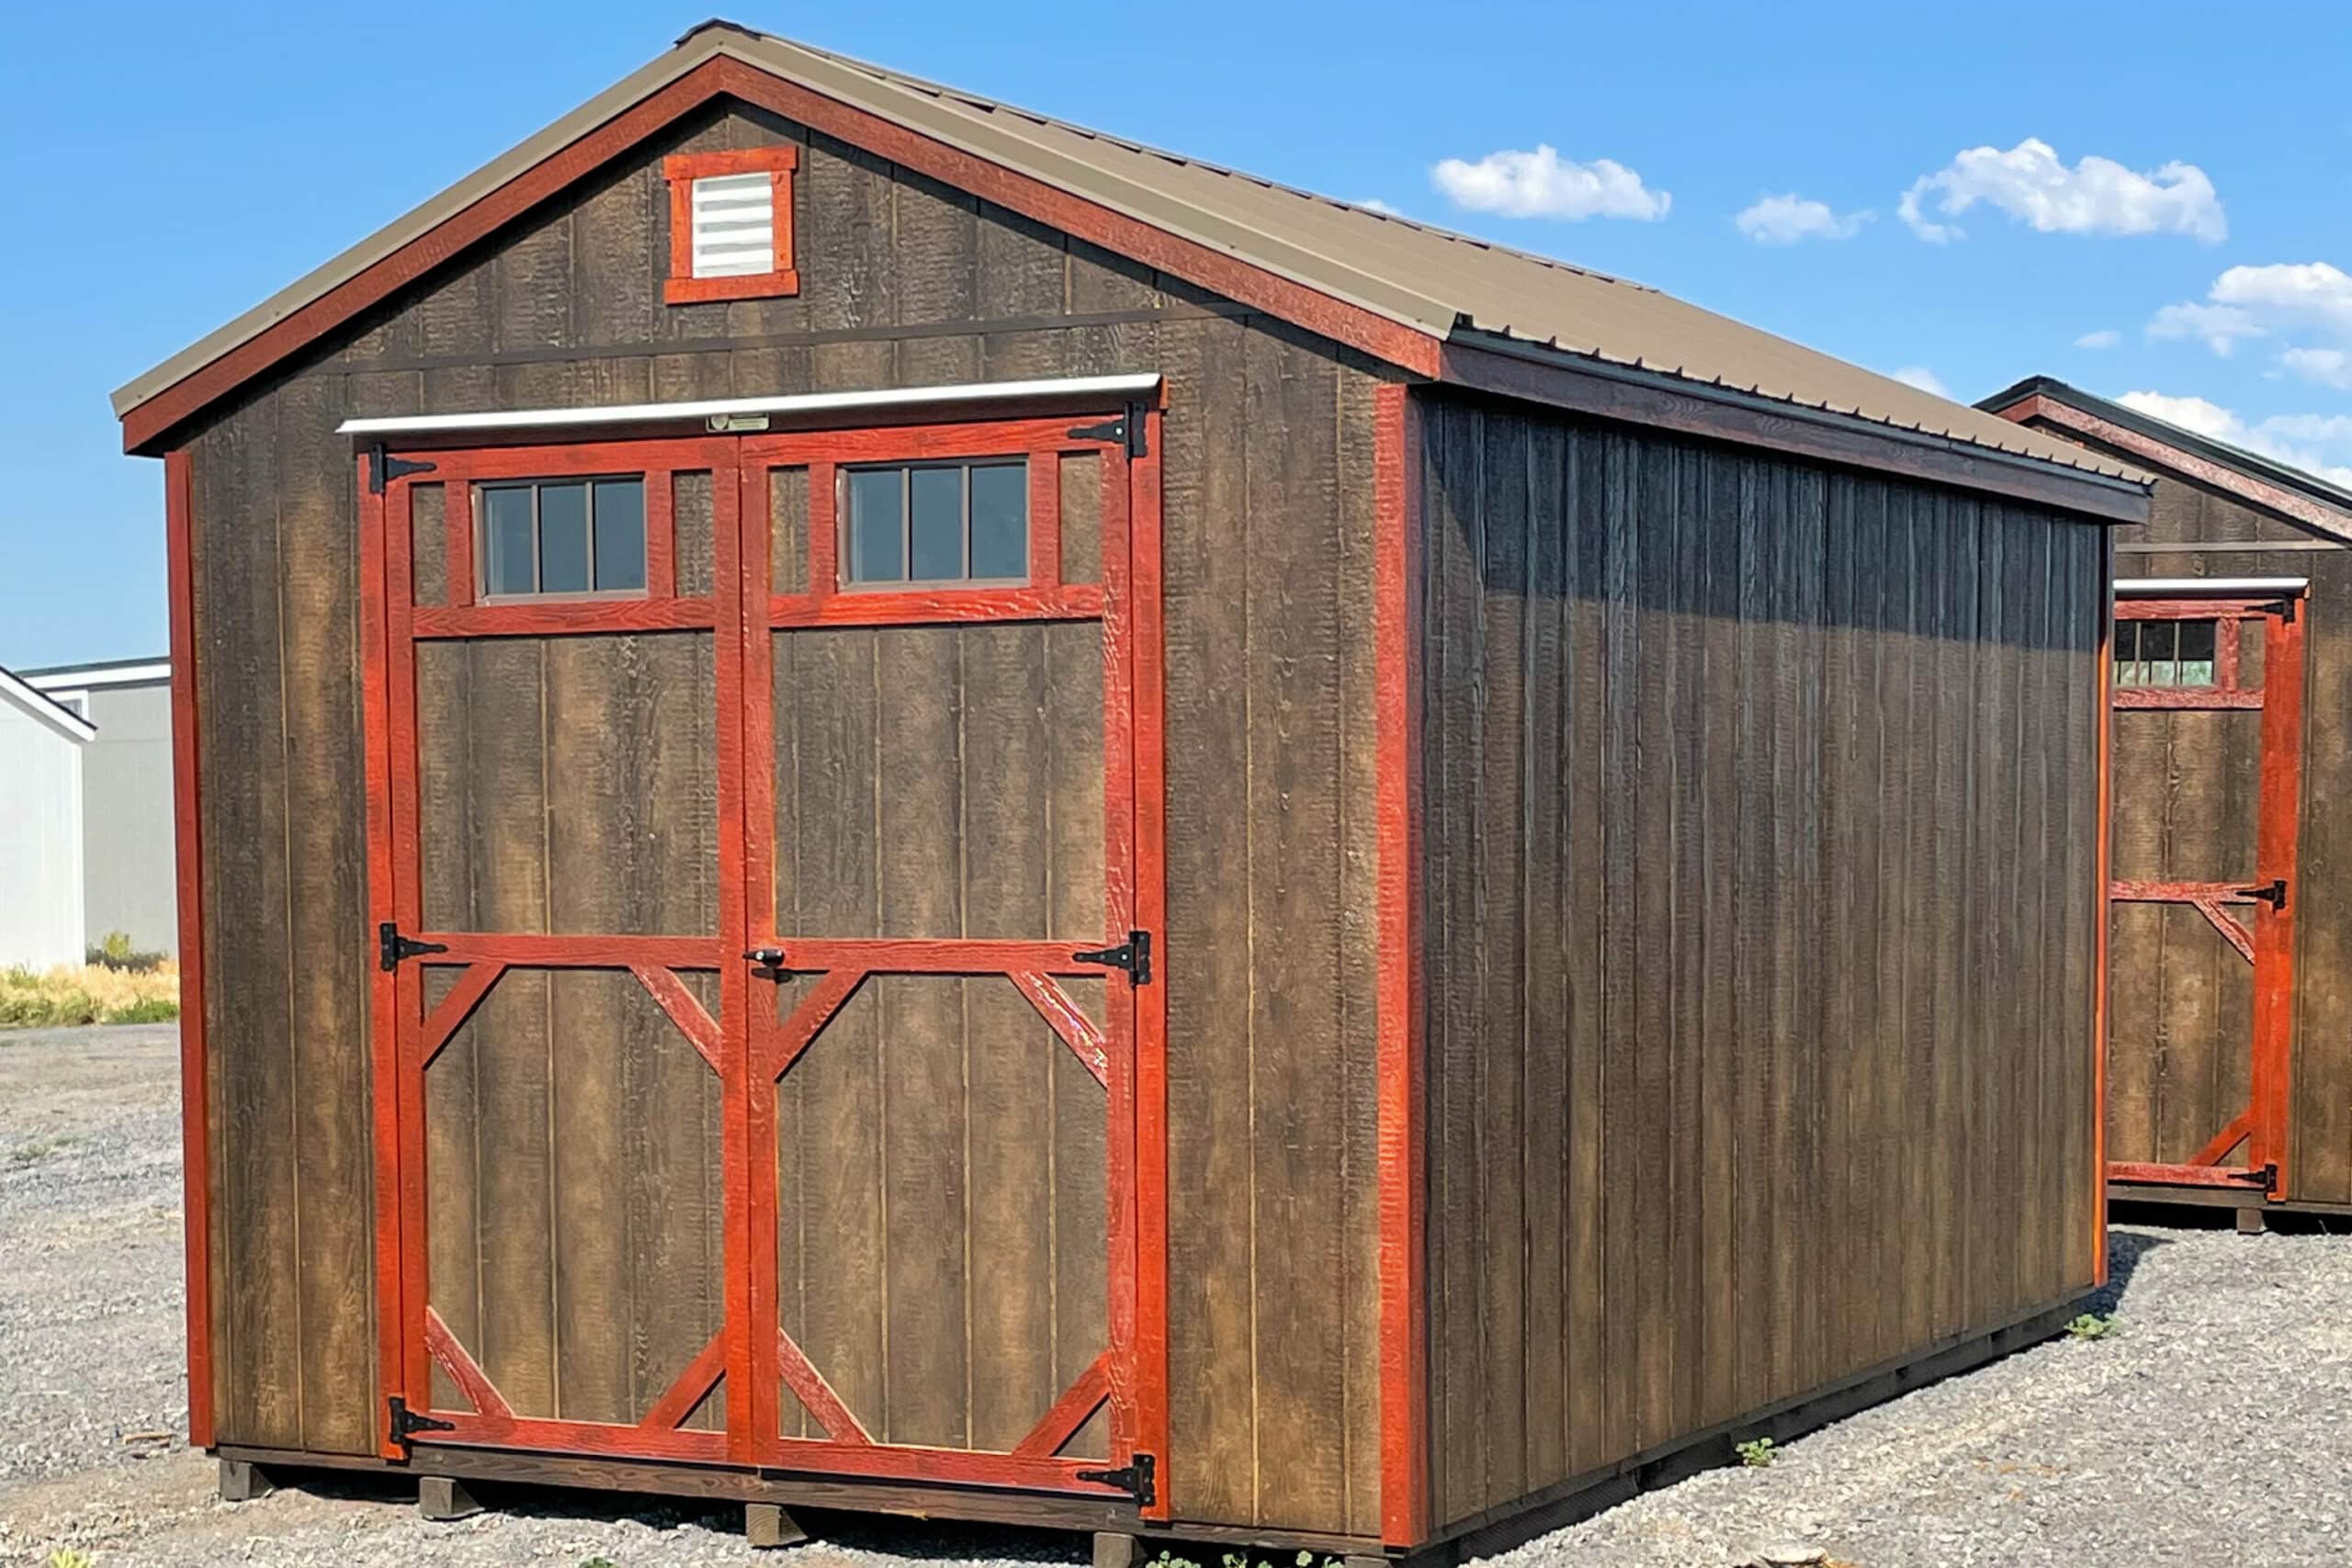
(2105,337)
(1542,184)
(2305,441)
(1374,204)
(2303,291)
(1785,220)
(2324,366)
(2218,327)
(2308,297)
(1926,381)
(2097,196)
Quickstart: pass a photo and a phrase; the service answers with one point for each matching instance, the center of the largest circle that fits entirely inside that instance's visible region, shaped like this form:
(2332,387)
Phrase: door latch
(2273,893)
(1133,955)
(767,963)
(392,947)
(1134,1478)
(407,1423)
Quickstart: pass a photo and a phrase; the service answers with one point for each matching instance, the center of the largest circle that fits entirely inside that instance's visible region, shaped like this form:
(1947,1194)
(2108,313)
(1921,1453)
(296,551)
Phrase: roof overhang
(45,710)
(96,677)
(2168,447)
(1347,299)
(1831,436)
(713,62)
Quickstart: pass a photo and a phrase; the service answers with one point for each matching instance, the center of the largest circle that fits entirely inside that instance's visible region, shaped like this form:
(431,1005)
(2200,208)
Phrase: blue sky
(168,166)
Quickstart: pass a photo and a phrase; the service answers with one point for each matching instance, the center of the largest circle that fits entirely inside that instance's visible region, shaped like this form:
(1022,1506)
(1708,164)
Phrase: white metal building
(41,743)
(130,878)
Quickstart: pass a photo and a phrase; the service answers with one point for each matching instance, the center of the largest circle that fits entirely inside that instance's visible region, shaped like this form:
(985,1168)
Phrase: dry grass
(90,993)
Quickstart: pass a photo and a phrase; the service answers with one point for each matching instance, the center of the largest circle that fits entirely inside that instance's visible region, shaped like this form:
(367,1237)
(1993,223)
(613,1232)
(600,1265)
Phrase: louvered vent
(734,218)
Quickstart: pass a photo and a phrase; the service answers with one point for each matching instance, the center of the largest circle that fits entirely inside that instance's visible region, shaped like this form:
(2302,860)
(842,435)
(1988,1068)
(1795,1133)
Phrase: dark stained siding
(1760,818)
(2320,1137)
(1269,954)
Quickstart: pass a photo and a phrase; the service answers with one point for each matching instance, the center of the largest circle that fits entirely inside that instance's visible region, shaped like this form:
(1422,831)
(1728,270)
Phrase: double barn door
(2205,795)
(764,837)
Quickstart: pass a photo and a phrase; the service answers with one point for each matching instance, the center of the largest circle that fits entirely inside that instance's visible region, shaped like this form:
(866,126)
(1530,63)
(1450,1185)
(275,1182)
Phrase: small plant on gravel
(66,1557)
(1756,1453)
(2093,1326)
(596,1563)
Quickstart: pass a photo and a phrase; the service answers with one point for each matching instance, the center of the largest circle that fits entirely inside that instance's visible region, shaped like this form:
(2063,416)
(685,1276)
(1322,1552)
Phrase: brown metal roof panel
(1424,277)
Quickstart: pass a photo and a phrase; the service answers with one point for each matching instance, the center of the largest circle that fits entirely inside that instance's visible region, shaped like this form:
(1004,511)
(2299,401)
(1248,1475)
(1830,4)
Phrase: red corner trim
(1403,1301)
(195,1144)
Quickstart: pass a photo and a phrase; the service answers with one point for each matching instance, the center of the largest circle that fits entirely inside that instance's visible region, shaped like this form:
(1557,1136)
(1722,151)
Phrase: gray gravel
(2214,1427)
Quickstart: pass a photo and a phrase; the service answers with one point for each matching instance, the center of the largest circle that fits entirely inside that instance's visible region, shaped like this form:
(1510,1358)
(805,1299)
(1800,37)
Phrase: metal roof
(38,704)
(2284,475)
(1426,278)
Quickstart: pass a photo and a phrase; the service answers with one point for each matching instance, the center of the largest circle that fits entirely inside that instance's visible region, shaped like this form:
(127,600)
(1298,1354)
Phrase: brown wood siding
(941,1157)
(1758,895)
(1269,956)
(2320,1131)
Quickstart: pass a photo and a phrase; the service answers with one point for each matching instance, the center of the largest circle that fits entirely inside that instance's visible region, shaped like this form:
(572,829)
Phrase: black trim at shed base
(1582,1497)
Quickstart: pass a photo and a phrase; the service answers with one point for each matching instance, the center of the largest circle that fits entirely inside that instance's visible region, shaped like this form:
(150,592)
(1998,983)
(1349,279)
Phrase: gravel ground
(2214,1427)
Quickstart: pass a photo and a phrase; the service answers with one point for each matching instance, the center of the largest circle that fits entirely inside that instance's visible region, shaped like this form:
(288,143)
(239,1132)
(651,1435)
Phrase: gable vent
(734,224)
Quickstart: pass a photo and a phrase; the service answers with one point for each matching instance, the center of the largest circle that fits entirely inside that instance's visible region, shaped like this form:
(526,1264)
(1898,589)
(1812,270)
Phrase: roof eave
(2285,492)
(1585,384)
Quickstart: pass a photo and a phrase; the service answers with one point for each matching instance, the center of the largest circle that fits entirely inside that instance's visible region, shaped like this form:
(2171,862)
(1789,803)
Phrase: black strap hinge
(392,947)
(1134,1478)
(2273,893)
(1127,429)
(2265,1176)
(1133,955)
(383,469)
(407,1423)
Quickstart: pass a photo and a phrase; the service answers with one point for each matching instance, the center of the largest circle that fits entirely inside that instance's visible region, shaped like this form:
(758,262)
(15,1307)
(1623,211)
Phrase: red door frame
(1126,1055)
(412,1339)
(2262,1128)
(1132,1376)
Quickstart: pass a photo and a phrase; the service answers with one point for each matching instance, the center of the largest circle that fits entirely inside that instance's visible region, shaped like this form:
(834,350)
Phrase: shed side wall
(2207,525)
(1268,951)
(1760,908)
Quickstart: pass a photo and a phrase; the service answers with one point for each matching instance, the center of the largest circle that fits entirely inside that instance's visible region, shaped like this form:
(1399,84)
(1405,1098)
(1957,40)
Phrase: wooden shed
(884,804)
(2231,928)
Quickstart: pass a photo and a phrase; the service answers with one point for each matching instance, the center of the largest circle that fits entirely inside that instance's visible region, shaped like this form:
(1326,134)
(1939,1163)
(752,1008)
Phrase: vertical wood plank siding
(1760,817)
(2169,1008)
(1270,956)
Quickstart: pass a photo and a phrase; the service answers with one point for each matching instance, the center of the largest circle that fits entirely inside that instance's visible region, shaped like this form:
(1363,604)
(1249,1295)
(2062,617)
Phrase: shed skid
(1082,873)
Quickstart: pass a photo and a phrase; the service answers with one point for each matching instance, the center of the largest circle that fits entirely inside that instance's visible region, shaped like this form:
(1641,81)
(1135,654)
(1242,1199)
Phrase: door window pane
(939,523)
(2167,653)
(1001,521)
(877,525)
(563,538)
(935,527)
(2195,667)
(620,535)
(508,565)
